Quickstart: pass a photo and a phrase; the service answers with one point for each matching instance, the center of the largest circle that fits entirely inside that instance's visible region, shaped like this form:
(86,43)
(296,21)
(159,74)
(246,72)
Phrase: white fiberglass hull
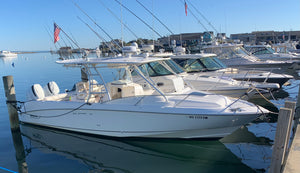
(129,120)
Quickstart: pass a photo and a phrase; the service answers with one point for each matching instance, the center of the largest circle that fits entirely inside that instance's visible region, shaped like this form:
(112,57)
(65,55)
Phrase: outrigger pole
(119,20)
(208,22)
(138,18)
(97,25)
(155,17)
(104,41)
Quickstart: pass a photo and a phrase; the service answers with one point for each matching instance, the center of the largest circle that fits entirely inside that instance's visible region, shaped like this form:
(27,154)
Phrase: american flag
(185,6)
(56,33)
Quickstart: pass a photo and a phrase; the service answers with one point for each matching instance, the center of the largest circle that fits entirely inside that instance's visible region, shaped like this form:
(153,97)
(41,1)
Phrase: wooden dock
(293,159)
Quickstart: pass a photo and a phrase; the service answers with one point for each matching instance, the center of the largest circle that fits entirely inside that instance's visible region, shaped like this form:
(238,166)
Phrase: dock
(293,159)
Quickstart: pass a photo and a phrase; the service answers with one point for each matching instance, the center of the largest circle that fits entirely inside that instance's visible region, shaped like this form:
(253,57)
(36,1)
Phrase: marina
(239,146)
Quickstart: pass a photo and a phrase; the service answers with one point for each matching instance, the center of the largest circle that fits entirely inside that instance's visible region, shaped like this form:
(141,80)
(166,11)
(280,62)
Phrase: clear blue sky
(24,23)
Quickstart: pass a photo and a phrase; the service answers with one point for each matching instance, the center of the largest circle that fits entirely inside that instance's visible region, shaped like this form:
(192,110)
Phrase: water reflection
(20,152)
(8,60)
(255,152)
(134,155)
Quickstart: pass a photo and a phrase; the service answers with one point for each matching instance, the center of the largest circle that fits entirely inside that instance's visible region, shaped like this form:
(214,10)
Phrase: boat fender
(51,89)
(36,92)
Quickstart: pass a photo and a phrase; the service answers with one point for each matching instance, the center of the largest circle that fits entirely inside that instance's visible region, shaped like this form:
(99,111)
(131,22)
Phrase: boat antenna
(67,35)
(119,20)
(138,18)
(121,24)
(103,40)
(154,16)
(117,44)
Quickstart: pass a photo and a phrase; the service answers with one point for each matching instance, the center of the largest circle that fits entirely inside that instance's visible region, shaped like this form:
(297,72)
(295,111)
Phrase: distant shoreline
(26,52)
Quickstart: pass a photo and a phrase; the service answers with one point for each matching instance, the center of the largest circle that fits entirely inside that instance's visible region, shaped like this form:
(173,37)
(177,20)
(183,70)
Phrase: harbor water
(248,149)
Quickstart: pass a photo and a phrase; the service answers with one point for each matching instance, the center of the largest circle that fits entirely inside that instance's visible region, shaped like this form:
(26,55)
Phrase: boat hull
(120,123)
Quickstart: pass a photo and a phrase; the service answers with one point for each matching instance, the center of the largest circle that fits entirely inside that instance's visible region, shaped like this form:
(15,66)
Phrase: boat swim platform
(292,163)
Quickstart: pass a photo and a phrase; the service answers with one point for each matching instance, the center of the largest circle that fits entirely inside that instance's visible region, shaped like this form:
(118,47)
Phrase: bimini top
(129,60)
(193,56)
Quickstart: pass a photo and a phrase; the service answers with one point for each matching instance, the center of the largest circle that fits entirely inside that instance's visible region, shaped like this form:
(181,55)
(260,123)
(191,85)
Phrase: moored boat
(120,107)
(6,53)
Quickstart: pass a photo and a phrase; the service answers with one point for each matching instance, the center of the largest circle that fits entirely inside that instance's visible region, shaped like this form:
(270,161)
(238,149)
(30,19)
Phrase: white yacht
(6,53)
(116,106)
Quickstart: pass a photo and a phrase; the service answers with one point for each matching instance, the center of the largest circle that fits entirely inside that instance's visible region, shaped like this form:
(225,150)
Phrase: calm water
(47,150)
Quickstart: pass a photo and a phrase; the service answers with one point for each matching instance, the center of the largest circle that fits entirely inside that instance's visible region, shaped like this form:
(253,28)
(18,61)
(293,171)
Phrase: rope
(18,108)
(14,104)
(58,114)
(266,98)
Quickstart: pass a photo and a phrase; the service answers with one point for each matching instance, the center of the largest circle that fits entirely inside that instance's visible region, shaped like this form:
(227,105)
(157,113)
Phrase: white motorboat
(208,65)
(266,52)
(122,108)
(234,55)
(6,53)
(163,71)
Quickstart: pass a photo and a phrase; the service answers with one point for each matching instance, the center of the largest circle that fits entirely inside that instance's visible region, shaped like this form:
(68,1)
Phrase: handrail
(141,74)
(103,83)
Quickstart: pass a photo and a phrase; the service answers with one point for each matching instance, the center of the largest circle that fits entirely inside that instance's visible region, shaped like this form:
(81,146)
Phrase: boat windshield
(223,52)
(210,63)
(240,50)
(218,61)
(157,69)
(191,65)
(174,66)
(261,50)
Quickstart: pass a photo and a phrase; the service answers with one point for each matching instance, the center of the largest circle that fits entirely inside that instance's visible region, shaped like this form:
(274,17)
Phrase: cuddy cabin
(109,102)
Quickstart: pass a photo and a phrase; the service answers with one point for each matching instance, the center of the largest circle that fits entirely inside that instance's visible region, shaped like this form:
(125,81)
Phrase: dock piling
(11,102)
(292,106)
(280,142)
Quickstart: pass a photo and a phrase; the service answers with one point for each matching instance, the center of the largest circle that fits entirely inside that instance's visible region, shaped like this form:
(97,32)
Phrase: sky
(27,25)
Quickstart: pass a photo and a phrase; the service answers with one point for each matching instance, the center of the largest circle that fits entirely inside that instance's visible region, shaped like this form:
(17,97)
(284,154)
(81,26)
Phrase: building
(267,36)
(186,38)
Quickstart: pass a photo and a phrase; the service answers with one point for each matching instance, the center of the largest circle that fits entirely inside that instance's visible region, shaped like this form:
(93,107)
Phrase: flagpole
(67,35)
